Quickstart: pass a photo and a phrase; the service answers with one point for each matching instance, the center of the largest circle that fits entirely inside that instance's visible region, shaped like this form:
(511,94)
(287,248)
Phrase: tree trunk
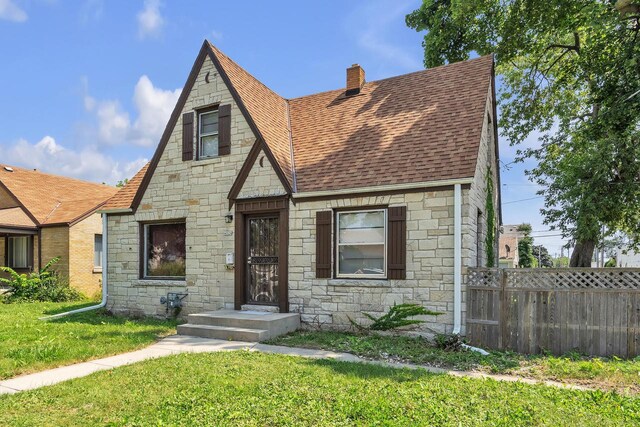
(582,253)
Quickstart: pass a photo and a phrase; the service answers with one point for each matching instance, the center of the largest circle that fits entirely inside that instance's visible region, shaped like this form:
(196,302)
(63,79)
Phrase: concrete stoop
(252,326)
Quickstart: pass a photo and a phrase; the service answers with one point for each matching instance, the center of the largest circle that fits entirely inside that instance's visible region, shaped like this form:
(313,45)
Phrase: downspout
(457,259)
(103,303)
(457,267)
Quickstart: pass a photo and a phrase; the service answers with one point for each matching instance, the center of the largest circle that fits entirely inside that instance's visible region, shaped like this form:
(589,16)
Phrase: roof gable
(50,199)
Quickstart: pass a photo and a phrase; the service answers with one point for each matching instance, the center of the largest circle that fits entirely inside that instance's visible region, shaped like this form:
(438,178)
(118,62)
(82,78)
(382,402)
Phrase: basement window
(361,244)
(208,134)
(165,250)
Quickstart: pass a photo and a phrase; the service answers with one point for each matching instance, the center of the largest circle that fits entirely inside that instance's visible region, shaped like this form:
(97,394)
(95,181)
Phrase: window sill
(205,162)
(97,269)
(159,282)
(360,283)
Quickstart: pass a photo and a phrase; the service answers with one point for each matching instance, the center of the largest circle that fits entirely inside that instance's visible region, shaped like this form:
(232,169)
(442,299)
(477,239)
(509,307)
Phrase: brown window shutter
(224,130)
(323,244)
(187,136)
(397,242)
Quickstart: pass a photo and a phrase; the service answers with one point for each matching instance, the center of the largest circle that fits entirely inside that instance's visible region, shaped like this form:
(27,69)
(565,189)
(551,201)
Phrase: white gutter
(457,267)
(382,188)
(103,303)
(457,259)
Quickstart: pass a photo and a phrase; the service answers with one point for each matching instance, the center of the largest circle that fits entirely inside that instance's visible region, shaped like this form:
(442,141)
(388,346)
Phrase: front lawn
(608,374)
(245,388)
(28,344)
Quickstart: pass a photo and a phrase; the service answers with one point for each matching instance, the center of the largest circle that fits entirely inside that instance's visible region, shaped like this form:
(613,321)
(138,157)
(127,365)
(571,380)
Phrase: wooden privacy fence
(590,310)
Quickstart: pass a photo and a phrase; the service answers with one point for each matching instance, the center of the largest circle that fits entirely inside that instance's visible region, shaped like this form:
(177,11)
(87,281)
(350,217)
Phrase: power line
(522,200)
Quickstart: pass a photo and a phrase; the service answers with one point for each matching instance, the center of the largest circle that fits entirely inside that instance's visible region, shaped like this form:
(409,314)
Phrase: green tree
(525,247)
(569,70)
(122,182)
(541,254)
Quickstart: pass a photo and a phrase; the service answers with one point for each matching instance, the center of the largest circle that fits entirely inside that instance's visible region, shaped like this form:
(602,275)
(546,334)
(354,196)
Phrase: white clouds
(150,22)
(153,106)
(373,25)
(88,163)
(114,124)
(12,12)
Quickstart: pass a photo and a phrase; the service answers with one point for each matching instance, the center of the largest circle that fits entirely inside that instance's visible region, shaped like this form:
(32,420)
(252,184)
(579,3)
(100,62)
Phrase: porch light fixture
(228,218)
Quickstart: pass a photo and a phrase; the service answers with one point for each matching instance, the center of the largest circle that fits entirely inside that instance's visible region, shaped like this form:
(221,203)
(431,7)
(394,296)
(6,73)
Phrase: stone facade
(196,192)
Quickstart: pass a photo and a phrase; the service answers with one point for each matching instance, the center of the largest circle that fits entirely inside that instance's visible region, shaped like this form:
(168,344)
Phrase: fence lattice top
(555,278)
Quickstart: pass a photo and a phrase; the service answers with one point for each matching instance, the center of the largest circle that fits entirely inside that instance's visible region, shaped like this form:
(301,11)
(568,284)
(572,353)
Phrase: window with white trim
(97,251)
(208,134)
(19,253)
(165,250)
(361,240)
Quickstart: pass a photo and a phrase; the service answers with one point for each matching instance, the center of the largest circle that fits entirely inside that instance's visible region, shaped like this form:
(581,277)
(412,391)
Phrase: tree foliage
(490,239)
(541,254)
(525,247)
(569,71)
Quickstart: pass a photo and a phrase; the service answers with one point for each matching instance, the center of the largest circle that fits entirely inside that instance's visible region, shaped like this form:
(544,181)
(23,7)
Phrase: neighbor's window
(361,241)
(18,254)
(208,134)
(165,251)
(97,251)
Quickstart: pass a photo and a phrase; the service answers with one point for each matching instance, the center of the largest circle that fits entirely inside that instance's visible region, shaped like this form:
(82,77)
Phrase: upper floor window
(361,243)
(208,134)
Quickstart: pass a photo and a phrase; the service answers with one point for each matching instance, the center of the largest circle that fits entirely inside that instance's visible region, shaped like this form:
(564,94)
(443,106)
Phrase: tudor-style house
(328,205)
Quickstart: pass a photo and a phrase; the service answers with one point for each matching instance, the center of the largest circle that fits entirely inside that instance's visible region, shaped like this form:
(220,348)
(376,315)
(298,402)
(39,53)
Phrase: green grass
(28,344)
(608,374)
(243,388)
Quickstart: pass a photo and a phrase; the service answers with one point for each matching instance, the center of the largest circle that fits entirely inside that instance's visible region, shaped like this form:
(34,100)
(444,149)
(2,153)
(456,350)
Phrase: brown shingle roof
(418,127)
(124,197)
(53,199)
(15,217)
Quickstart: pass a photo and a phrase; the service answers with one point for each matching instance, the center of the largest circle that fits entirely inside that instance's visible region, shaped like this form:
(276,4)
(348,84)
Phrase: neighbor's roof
(124,197)
(52,199)
(419,127)
(15,217)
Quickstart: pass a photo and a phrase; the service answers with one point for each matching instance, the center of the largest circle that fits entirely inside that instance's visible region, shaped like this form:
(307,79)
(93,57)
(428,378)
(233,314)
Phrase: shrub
(43,285)
(396,317)
(449,342)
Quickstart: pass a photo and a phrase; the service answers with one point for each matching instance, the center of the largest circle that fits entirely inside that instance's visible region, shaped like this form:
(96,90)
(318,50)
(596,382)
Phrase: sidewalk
(176,344)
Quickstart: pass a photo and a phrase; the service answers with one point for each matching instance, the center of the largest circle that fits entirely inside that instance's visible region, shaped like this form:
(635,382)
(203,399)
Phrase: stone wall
(429,276)
(83,274)
(197,192)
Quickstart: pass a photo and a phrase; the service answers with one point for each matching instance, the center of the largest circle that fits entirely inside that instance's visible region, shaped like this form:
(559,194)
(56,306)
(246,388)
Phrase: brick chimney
(355,79)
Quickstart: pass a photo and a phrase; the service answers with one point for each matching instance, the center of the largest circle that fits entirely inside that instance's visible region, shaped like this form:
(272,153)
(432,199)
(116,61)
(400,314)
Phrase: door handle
(249,260)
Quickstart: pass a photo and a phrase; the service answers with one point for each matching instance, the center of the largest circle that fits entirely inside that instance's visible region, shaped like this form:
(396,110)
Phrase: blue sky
(86,86)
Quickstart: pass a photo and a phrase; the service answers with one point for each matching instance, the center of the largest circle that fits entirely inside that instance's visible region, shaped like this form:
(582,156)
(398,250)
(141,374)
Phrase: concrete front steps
(234,325)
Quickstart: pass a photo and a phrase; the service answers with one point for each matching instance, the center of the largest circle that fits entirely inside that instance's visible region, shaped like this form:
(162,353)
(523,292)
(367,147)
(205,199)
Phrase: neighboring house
(627,258)
(329,205)
(43,216)
(508,246)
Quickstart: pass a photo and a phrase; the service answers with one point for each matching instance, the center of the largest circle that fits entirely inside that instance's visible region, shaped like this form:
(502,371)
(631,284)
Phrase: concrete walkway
(176,344)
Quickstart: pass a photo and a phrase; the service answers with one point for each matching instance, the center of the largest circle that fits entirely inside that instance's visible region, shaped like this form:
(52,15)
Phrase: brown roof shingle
(124,197)
(418,127)
(53,199)
(15,217)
